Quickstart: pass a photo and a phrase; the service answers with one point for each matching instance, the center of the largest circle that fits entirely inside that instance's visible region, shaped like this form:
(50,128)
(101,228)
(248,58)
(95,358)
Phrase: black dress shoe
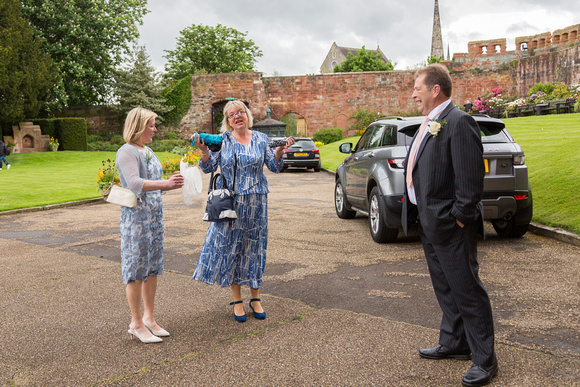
(479,375)
(443,352)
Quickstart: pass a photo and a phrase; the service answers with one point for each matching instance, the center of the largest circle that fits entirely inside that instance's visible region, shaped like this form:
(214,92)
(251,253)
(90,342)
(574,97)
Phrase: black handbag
(220,202)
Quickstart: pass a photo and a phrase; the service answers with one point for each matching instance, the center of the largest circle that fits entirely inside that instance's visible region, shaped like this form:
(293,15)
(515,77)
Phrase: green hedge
(70,132)
(328,135)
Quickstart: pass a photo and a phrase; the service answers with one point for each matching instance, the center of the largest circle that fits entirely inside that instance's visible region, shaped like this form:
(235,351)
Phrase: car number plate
(300,154)
(486,165)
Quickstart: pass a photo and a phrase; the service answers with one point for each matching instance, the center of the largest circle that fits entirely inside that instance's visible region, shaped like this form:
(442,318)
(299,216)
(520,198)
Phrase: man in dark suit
(444,185)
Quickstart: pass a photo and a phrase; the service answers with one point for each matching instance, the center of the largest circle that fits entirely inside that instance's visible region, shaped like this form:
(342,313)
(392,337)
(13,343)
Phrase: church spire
(437,39)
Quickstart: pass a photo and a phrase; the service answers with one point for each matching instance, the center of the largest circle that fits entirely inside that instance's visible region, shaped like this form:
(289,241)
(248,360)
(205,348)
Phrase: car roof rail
(390,118)
(480,115)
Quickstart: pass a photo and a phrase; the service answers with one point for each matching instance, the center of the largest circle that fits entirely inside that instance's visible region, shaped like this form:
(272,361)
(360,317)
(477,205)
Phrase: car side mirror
(345,147)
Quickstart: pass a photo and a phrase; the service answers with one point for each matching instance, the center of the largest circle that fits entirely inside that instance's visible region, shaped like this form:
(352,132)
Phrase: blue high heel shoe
(259,316)
(238,318)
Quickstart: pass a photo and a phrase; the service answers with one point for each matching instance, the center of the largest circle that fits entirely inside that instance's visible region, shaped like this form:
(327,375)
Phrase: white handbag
(122,196)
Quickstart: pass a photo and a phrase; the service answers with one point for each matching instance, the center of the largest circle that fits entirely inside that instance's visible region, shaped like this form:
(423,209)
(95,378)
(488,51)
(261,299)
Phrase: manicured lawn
(552,147)
(38,179)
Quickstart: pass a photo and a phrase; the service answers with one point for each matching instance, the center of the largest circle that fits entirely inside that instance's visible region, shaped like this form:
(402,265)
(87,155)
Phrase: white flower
(434,128)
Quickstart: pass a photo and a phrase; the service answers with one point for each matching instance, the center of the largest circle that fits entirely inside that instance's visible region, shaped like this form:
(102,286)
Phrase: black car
(370,180)
(303,153)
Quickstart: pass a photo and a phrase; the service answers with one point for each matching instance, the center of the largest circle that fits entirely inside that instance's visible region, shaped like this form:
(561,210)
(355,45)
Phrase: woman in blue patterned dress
(234,252)
(142,226)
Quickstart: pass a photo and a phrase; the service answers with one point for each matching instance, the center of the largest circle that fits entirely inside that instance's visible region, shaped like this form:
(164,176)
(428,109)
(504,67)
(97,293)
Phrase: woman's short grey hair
(226,127)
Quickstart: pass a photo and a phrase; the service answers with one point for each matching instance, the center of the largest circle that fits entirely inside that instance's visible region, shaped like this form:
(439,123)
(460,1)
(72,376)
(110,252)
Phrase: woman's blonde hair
(135,123)
(226,127)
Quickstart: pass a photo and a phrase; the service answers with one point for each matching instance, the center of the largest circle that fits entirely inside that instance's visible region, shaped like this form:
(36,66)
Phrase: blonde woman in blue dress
(234,252)
(142,226)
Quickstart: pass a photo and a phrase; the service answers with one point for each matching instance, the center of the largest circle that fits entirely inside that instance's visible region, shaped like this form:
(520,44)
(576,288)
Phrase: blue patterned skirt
(142,238)
(234,253)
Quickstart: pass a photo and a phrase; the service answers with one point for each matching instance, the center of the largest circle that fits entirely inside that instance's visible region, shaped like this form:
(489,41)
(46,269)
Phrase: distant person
(234,252)
(444,173)
(142,226)
(468,107)
(4,151)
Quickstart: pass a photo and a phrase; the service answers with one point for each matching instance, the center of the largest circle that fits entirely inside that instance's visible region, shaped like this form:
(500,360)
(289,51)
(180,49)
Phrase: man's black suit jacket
(448,178)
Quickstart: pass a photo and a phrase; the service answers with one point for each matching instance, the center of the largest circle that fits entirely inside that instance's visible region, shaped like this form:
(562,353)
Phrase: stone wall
(555,66)
(493,53)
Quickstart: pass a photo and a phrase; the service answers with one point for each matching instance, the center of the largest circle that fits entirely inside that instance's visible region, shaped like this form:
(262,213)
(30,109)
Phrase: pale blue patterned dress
(235,252)
(142,226)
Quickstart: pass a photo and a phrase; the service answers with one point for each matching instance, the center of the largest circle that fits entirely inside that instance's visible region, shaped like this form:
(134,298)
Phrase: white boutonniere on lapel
(149,156)
(435,127)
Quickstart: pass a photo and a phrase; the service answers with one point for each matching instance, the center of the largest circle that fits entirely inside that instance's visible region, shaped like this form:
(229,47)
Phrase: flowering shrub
(54,144)
(561,92)
(490,100)
(481,104)
(538,97)
(515,103)
(170,165)
(574,92)
(106,175)
(11,144)
(191,157)
(318,144)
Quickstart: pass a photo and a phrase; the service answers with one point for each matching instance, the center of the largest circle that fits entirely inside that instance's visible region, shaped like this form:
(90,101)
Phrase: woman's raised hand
(198,142)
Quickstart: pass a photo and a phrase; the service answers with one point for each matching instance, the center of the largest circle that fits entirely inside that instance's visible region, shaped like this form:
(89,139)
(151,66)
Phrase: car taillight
(397,163)
(286,151)
(519,160)
(315,150)
(520,197)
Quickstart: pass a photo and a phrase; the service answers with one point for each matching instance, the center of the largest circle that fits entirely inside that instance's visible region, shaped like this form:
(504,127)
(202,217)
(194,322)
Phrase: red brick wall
(325,100)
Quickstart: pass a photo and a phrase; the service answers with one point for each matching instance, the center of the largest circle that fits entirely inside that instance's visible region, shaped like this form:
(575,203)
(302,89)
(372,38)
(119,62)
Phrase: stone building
(493,53)
(337,54)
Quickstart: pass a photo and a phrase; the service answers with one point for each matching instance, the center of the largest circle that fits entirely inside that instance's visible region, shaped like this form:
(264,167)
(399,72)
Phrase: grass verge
(39,179)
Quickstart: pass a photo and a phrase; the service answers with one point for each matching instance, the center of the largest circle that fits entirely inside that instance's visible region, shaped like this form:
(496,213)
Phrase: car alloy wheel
(340,203)
(374,214)
(379,230)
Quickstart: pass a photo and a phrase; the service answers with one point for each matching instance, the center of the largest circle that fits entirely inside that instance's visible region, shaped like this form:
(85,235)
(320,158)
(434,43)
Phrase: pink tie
(413,155)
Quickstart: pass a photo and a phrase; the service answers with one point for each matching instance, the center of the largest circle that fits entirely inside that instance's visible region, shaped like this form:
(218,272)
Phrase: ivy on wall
(177,95)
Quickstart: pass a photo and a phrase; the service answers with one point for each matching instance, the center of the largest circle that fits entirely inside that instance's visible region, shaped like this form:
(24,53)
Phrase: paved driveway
(341,308)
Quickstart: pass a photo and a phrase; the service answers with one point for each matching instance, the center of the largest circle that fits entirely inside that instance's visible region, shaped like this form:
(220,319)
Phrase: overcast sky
(296,35)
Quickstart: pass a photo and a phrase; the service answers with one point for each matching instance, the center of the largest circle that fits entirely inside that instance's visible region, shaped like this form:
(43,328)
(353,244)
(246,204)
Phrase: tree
(138,85)
(291,121)
(26,71)
(87,40)
(363,61)
(213,49)
(434,59)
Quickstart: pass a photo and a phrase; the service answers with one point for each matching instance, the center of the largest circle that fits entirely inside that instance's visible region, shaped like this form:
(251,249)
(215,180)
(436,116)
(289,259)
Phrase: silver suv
(370,180)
